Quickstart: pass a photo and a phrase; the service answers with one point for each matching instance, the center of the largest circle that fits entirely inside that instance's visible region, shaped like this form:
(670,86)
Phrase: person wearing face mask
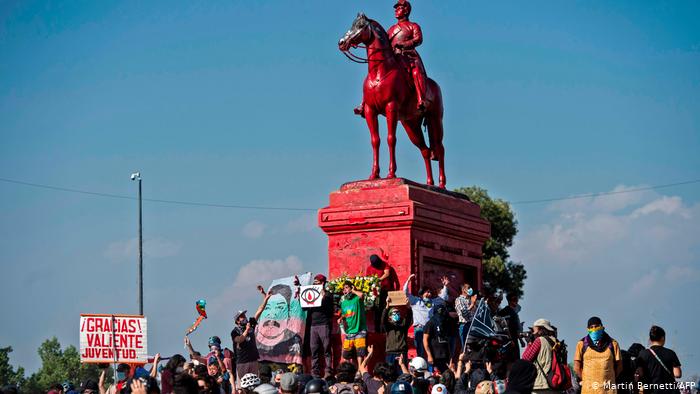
(396,320)
(597,360)
(510,312)
(422,306)
(122,378)
(464,306)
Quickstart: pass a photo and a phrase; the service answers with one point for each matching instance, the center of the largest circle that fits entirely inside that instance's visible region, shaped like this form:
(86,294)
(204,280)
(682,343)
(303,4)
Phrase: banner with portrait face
(280,330)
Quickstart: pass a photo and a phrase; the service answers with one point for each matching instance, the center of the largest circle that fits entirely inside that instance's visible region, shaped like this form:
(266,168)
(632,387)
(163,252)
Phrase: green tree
(58,366)
(8,375)
(499,272)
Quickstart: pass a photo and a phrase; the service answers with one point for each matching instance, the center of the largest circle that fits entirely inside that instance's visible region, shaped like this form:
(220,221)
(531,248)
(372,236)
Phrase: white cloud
(302,224)
(254,229)
(255,272)
(152,248)
(665,205)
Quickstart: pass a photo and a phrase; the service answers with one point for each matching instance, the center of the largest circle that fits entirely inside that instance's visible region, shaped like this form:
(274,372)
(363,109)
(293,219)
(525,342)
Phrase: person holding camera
(243,337)
(539,352)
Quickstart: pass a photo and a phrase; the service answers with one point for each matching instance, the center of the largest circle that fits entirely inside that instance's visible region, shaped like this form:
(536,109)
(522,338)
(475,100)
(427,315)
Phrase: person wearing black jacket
(657,366)
(320,320)
(395,322)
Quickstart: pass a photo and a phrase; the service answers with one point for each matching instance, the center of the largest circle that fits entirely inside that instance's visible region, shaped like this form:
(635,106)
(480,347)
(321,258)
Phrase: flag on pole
(482,324)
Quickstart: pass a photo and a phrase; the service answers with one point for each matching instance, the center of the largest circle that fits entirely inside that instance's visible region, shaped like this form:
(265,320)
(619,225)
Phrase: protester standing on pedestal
(387,282)
(320,333)
(658,366)
(353,322)
(396,320)
(465,305)
(598,360)
(422,307)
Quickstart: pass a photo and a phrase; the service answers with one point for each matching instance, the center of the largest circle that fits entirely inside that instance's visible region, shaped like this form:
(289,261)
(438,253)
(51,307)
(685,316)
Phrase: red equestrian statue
(397,87)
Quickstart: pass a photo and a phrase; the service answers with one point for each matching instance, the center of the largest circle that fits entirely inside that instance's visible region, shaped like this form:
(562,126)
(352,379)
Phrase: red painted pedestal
(416,228)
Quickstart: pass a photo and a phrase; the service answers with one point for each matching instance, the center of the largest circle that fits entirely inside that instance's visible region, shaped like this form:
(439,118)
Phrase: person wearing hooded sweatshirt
(597,360)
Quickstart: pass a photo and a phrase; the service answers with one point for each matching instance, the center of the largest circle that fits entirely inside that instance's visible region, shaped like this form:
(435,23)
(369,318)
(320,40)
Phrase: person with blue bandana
(598,360)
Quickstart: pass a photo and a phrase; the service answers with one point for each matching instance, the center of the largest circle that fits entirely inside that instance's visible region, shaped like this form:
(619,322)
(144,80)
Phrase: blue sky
(251,103)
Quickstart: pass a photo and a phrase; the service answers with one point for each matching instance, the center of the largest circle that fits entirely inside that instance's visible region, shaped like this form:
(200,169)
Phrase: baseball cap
(265,388)
(239,313)
(544,323)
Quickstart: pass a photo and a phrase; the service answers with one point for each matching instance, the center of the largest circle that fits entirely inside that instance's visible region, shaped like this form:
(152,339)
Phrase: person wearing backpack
(658,367)
(540,353)
(598,360)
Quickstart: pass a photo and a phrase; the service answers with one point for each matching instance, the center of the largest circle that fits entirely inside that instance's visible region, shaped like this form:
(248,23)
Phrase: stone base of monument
(417,229)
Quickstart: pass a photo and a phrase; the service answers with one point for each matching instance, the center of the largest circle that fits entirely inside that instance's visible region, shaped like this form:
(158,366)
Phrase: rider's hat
(405,3)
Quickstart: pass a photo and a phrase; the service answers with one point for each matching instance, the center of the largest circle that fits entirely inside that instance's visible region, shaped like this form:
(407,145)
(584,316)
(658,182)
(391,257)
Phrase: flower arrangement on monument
(368,285)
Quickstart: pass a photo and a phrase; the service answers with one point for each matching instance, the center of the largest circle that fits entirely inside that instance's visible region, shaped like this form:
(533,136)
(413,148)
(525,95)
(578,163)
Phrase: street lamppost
(137,177)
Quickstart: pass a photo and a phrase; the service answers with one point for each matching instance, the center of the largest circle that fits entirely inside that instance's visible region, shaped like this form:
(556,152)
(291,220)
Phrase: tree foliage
(57,366)
(499,272)
(8,375)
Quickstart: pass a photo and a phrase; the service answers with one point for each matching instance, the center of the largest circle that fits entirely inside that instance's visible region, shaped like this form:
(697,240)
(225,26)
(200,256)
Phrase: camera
(253,322)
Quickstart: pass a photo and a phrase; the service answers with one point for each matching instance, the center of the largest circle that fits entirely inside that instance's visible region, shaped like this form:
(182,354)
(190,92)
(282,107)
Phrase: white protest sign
(113,339)
(310,296)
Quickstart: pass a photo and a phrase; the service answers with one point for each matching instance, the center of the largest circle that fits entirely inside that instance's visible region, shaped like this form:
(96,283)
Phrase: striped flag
(482,324)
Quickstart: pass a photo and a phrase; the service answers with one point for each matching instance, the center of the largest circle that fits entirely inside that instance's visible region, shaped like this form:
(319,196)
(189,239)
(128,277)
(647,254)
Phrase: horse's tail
(433,121)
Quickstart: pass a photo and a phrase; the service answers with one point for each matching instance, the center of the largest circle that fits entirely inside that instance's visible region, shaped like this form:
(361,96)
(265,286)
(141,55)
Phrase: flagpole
(481,302)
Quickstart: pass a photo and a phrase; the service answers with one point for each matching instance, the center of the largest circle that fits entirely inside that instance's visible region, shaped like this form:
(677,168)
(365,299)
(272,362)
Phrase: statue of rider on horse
(397,87)
(405,36)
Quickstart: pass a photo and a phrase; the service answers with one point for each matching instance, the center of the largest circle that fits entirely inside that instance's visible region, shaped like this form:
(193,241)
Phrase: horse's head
(359,32)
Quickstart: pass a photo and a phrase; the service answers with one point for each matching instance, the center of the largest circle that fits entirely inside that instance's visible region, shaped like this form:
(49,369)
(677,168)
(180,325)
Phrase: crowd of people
(451,357)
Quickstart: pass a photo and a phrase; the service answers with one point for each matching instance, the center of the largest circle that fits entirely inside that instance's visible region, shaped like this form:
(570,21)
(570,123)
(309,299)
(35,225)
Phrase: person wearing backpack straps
(658,366)
(539,352)
(598,360)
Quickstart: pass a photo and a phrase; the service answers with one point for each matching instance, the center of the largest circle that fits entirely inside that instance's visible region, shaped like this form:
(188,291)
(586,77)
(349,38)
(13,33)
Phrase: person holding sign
(320,319)
(396,320)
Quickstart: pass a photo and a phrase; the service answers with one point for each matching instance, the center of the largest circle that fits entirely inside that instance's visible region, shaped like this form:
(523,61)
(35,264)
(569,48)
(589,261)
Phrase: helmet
(316,386)
(265,388)
(418,364)
(439,389)
(215,341)
(401,387)
(250,380)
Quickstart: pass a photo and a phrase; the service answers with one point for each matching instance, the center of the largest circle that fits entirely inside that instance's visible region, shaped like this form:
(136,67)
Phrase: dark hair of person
(200,371)
(656,333)
(382,371)
(283,290)
(331,380)
(420,386)
(175,361)
(184,384)
(634,349)
(512,296)
(448,379)
(346,372)
(545,333)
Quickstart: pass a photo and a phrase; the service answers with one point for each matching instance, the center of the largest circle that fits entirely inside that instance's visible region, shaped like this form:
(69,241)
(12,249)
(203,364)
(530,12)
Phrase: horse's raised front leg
(373,125)
(412,127)
(392,118)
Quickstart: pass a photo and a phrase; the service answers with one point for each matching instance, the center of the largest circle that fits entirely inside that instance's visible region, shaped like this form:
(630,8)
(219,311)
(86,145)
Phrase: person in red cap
(320,319)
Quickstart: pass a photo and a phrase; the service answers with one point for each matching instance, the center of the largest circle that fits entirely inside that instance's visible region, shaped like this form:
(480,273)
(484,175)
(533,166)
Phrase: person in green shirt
(353,323)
